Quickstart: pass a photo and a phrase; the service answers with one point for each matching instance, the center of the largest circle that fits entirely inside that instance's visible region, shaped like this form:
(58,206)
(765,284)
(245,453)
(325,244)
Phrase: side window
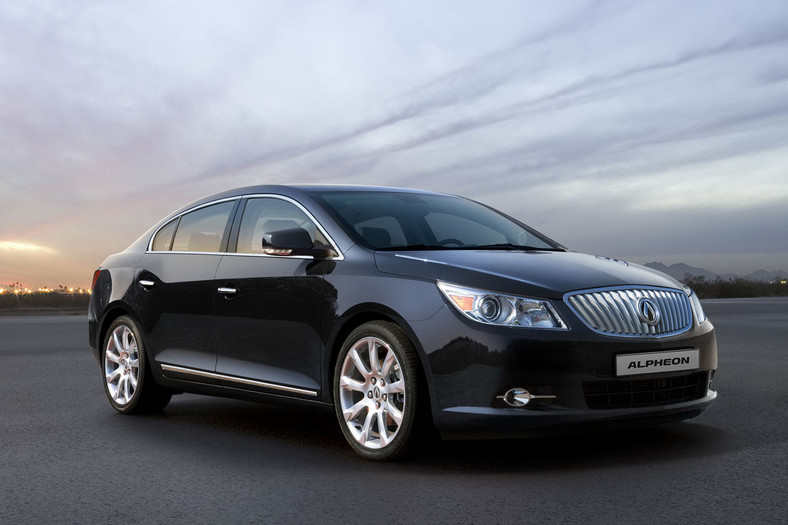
(203,230)
(163,239)
(267,214)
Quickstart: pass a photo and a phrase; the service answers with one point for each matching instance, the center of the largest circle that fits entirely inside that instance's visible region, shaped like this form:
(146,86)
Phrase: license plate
(654,362)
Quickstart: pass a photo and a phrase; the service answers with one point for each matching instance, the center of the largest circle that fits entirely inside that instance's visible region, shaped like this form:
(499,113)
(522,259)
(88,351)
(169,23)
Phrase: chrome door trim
(234,379)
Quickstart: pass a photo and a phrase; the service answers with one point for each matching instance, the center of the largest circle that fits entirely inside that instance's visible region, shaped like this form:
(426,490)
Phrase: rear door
(175,287)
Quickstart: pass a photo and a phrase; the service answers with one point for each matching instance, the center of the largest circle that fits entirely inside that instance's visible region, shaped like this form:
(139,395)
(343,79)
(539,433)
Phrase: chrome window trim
(235,379)
(339,257)
(611,315)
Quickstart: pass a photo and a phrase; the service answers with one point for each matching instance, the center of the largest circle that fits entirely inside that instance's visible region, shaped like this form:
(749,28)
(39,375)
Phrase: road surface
(67,457)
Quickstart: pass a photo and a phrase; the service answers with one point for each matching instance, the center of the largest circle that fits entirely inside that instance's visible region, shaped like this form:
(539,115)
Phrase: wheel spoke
(112,356)
(366,428)
(360,365)
(117,392)
(383,431)
(118,346)
(114,375)
(374,361)
(128,339)
(353,412)
(126,389)
(394,414)
(389,361)
(397,387)
(351,384)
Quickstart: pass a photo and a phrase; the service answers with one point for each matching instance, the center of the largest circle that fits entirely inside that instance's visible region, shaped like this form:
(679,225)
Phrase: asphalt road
(67,457)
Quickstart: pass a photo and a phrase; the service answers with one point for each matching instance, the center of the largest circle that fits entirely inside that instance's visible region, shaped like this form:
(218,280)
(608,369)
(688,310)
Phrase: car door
(268,306)
(175,288)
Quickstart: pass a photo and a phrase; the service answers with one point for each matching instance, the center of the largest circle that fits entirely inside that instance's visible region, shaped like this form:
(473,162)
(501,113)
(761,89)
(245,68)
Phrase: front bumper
(469,366)
(503,423)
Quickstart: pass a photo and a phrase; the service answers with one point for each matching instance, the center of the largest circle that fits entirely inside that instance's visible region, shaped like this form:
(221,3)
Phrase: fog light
(519,397)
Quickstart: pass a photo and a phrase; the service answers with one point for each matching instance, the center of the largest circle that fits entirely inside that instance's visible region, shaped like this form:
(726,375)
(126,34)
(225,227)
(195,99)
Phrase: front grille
(645,392)
(614,311)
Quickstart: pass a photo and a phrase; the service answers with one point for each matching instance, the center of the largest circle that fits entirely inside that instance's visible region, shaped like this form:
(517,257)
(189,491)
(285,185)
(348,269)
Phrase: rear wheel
(127,381)
(376,390)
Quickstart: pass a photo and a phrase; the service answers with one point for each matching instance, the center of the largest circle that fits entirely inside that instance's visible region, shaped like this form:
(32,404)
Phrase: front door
(268,307)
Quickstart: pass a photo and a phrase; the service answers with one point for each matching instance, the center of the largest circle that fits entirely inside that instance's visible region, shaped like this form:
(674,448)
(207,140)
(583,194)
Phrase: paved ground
(67,457)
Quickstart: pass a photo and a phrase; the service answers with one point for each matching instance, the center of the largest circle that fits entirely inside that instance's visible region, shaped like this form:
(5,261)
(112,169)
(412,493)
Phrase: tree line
(737,287)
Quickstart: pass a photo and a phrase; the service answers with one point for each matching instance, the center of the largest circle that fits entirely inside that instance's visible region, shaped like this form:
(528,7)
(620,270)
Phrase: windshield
(417,221)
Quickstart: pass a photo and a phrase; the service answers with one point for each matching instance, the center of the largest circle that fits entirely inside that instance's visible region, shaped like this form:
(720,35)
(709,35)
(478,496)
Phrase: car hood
(548,274)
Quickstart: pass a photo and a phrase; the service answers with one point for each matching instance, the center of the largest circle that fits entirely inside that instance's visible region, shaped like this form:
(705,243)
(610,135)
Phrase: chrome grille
(614,311)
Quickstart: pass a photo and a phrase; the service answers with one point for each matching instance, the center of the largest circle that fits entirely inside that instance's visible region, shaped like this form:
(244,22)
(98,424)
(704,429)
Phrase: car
(404,312)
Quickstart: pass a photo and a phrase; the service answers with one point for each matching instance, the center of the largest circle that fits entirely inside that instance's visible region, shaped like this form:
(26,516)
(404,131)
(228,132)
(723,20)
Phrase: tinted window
(267,214)
(203,230)
(381,232)
(450,227)
(163,239)
(392,220)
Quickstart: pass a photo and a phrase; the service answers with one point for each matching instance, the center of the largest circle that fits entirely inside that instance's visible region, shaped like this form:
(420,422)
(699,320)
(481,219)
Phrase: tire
(376,392)
(128,383)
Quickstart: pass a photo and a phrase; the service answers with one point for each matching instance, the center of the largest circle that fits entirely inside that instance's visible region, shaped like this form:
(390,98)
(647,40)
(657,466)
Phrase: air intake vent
(646,392)
(633,312)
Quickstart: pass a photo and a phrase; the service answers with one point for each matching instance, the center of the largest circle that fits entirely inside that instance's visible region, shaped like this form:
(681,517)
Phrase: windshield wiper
(510,246)
(500,246)
(416,247)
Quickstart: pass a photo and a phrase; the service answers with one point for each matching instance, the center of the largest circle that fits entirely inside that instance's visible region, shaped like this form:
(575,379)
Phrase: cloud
(111,115)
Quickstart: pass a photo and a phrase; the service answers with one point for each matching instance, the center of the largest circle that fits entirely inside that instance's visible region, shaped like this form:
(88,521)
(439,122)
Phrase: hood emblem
(648,311)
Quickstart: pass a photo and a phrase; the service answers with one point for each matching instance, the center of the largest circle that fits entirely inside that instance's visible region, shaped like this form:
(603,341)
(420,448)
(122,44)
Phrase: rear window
(163,239)
(203,230)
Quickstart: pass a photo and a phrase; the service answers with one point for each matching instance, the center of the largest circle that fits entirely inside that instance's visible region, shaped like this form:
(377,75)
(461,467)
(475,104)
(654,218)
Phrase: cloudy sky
(639,130)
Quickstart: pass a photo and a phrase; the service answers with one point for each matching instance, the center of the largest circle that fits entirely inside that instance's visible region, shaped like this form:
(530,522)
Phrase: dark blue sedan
(399,310)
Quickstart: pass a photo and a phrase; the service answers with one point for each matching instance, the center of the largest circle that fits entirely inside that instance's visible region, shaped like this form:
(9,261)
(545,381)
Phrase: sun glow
(26,247)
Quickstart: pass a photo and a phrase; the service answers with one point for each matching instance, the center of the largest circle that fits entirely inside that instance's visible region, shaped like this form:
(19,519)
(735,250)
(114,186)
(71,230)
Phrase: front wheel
(376,390)
(127,382)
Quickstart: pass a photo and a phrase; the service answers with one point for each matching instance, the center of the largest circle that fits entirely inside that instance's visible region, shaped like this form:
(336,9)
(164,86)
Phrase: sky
(641,130)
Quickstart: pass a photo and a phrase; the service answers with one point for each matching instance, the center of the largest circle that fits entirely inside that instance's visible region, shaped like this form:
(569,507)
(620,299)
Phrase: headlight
(697,308)
(502,310)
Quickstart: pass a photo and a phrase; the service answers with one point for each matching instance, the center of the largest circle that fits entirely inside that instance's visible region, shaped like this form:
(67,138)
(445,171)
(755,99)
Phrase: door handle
(147,284)
(227,290)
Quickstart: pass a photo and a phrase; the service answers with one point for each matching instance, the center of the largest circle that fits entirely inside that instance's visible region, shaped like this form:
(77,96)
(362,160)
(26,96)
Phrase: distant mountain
(679,270)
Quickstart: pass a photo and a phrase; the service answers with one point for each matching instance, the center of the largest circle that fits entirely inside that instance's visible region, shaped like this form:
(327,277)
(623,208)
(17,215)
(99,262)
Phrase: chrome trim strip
(340,256)
(234,379)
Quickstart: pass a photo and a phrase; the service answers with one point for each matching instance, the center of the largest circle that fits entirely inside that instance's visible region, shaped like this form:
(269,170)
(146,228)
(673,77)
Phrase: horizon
(8,285)
(648,131)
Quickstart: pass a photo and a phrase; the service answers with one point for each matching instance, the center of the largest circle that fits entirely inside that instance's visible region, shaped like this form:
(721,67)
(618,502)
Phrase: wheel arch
(358,316)
(110,315)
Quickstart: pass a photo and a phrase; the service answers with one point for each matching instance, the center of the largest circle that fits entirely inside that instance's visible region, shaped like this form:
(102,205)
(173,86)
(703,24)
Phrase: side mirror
(293,241)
